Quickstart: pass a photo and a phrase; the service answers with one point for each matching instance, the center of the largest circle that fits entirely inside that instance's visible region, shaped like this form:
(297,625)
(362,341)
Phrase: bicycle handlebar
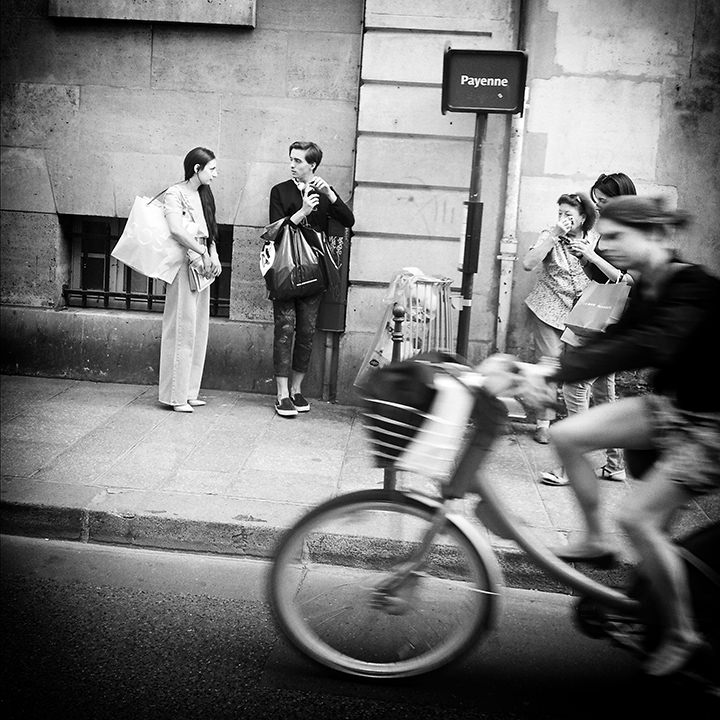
(511,381)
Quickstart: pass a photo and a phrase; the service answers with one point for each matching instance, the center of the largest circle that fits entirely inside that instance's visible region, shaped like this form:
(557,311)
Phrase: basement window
(98,280)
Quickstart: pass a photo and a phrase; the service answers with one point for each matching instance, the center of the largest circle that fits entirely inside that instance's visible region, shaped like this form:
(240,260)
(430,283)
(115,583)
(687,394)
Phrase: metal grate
(98,280)
(404,437)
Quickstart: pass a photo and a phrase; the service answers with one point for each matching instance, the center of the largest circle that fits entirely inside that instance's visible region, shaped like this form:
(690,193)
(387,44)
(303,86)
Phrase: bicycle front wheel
(341,592)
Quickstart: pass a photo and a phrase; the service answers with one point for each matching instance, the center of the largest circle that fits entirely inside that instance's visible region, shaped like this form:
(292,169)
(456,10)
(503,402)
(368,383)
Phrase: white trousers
(186,320)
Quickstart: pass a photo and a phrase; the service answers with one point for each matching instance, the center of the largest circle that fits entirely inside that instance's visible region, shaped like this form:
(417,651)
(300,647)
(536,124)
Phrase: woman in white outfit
(190,213)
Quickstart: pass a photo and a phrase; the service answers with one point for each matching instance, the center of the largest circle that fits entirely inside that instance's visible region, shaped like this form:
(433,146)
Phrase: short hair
(584,204)
(644,213)
(613,185)
(313,153)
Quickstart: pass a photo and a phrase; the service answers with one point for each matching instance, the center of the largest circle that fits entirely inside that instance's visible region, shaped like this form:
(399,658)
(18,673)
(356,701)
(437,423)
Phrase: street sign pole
(473,225)
(481,82)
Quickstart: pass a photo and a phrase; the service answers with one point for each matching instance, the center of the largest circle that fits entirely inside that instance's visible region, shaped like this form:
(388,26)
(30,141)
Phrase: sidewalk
(103,462)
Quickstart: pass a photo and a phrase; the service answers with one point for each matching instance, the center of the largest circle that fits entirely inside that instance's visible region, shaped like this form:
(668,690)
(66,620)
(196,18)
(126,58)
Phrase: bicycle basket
(417,414)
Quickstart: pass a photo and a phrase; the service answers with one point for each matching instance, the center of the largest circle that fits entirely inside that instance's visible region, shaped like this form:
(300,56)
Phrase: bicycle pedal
(631,638)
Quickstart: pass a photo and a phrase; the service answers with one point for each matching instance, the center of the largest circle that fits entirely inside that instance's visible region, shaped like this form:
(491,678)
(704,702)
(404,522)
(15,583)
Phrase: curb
(246,539)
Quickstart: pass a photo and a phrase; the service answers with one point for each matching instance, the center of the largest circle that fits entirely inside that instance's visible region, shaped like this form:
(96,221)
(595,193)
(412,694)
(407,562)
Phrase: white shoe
(196,403)
(182,408)
(556,478)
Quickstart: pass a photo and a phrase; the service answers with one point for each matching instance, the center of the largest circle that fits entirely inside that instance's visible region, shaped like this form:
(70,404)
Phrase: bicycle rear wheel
(339,594)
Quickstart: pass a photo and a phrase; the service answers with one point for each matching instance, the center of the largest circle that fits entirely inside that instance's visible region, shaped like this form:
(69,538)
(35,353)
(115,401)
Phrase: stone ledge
(246,539)
(220,12)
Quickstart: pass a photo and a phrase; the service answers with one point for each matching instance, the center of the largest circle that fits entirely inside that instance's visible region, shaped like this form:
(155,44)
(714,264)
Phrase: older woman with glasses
(560,281)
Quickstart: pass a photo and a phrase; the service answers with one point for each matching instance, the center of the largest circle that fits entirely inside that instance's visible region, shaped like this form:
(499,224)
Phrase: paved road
(106,632)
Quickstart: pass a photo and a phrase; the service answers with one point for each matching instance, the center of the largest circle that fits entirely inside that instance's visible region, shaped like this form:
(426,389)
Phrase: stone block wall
(637,92)
(100,105)
(96,111)
(414,164)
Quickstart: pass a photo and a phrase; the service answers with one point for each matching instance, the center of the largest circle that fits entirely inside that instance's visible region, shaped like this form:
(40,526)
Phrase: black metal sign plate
(491,81)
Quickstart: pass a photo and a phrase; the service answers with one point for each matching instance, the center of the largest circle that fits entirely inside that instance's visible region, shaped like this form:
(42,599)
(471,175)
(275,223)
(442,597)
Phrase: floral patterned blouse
(559,284)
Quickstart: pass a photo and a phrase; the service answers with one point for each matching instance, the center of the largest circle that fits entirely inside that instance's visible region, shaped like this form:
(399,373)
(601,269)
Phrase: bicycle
(391,584)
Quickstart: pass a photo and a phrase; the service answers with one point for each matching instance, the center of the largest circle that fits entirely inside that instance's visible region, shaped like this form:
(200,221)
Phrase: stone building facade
(100,105)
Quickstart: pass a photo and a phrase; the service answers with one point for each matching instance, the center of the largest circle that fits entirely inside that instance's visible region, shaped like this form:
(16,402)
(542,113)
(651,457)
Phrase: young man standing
(304,199)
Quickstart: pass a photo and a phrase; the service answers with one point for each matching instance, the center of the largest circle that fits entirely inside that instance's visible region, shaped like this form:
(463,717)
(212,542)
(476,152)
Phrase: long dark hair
(202,156)
(613,185)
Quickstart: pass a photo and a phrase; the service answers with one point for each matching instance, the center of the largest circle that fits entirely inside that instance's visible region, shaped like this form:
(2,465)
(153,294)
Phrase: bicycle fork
(393,593)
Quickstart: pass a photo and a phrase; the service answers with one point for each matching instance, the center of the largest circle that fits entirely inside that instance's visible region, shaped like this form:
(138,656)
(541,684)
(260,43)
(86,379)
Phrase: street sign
(487,81)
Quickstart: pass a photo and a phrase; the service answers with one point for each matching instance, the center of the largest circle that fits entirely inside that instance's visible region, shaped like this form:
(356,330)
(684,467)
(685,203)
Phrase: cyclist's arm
(649,335)
(503,376)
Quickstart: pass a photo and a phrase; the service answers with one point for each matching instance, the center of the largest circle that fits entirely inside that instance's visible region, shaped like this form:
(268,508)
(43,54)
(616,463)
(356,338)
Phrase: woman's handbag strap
(158,195)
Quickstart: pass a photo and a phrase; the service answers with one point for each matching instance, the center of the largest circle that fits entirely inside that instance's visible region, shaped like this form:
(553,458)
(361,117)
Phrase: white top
(180,199)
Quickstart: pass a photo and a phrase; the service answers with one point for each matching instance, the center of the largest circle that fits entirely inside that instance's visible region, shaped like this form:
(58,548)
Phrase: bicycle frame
(489,415)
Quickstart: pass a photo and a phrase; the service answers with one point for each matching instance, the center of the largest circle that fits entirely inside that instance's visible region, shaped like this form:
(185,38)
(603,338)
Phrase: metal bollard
(397,339)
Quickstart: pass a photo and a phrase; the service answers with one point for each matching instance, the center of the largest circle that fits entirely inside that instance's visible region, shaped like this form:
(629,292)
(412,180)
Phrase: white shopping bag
(146,244)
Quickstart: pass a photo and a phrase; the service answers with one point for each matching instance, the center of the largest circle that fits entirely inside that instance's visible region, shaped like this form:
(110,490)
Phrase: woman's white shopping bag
(146,244)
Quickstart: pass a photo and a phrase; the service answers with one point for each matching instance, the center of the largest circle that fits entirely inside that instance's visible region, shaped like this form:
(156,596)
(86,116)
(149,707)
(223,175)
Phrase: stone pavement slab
(106,463)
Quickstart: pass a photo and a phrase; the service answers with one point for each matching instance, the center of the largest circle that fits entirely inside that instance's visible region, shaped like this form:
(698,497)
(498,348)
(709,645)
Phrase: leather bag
(291,263)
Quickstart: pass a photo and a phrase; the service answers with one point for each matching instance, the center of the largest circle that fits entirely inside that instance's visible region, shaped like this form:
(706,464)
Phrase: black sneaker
(285,407)
(300,403)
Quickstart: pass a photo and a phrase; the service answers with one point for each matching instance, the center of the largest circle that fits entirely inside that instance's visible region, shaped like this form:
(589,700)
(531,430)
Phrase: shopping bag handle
(150,202)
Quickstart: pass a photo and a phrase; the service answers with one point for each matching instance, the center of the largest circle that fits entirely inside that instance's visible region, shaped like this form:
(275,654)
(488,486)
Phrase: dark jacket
(673,333)
(286,199)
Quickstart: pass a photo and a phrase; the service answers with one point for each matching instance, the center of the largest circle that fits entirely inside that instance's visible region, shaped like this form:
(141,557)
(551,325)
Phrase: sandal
(554,478)
(605,474)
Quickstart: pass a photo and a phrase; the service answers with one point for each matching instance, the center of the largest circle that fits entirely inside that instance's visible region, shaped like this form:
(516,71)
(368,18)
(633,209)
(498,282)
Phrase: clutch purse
(198,282)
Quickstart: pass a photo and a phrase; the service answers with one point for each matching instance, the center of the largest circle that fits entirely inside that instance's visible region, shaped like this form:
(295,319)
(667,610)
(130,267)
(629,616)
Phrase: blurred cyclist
(669,326)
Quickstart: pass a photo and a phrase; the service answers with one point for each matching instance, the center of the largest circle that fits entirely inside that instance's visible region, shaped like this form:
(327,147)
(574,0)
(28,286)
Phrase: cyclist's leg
(618,424)
(688,465)
(644,519)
